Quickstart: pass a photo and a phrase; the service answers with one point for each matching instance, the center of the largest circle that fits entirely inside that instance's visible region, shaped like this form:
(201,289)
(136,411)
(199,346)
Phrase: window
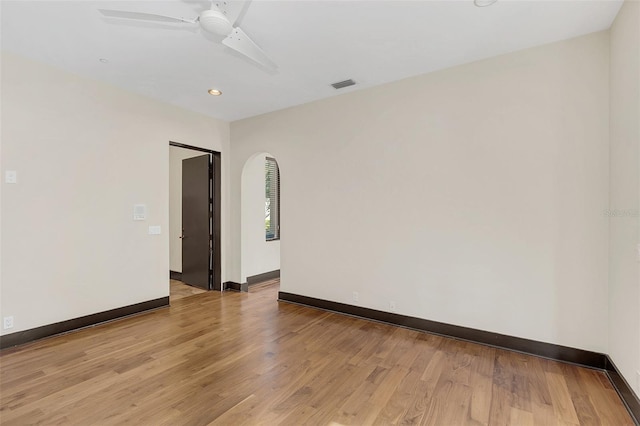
(272,199)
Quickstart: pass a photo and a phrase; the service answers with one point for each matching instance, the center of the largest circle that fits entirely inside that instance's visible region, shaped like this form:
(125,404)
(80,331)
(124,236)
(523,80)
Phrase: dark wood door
(196,217)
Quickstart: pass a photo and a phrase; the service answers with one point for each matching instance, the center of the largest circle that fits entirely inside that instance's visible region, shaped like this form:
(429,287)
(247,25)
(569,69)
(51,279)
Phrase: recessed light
(215,92)
(484,3)
(103,60)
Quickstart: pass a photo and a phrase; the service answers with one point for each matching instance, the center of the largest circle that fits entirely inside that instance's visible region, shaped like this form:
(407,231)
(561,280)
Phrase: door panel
(196,249)
(217,198)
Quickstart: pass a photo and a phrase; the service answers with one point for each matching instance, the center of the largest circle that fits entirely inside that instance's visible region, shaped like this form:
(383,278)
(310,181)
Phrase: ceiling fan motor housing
(215,22)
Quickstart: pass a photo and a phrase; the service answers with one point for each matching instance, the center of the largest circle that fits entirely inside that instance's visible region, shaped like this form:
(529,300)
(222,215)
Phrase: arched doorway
(260,221)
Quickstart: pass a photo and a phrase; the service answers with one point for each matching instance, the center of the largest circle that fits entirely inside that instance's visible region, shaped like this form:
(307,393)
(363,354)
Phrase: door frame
(215,226)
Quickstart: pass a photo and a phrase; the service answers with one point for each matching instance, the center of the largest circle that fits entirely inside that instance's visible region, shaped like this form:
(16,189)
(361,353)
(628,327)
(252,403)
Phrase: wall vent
(341,84)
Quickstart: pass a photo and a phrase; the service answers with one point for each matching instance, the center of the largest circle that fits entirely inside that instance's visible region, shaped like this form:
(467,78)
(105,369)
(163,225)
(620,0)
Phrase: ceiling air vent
(341,84)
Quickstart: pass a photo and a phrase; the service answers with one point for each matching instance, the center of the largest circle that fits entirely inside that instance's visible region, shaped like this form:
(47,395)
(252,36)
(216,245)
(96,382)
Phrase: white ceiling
(315,43)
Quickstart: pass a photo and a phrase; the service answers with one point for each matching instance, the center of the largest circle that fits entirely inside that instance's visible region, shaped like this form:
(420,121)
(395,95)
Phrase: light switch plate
(154,230)
(11,176)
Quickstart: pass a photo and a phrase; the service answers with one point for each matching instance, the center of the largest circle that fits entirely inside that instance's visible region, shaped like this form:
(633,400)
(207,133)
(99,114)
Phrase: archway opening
(260,223)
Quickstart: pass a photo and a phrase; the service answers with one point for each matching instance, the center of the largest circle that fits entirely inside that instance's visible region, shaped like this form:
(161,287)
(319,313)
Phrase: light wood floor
(273,284)
(178,290)
(243,358)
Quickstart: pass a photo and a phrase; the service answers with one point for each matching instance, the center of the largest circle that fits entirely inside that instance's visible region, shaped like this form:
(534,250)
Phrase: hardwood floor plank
(180,290)
(584,410)
(398,403)
(380,396)
(603,398)
(481,383)
(501,404)
(246,359)
(521,417)
(562,403)
(328,407)
(425,391)
(299,416)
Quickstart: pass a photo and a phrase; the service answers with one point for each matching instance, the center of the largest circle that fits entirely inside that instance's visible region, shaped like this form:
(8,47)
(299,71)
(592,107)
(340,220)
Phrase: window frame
(276,208)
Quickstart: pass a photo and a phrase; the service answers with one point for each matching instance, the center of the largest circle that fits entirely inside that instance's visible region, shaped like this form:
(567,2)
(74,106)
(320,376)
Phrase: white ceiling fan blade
(234,10)
(144,16)
(241,42)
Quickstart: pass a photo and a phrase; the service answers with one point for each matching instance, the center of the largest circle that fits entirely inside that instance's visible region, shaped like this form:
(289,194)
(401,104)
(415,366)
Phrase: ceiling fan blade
(240,42)
(234,10)
(144,16)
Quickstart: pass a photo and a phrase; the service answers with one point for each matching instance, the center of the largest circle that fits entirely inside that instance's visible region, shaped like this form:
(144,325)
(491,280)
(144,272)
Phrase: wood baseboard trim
(232,285)
(532,347)
(625,391)
(175,275)
(26,336)
(547,350)
(256,279)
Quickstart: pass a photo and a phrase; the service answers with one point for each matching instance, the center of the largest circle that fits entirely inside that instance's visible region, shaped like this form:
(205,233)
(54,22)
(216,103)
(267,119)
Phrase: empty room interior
(320,212)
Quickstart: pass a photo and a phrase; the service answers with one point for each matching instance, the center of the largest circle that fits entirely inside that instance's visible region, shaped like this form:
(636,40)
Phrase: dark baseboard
(175,275)
(26,336)
(255,279)
(624,390)
(231,285)
(547,350)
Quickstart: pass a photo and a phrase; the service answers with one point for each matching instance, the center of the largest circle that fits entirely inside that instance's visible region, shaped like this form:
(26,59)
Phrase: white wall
(85,153)
(176,155)
(472,196)
(258,255)
(624,275)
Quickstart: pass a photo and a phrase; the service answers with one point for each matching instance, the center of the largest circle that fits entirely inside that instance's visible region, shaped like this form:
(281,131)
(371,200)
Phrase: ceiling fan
(219,19)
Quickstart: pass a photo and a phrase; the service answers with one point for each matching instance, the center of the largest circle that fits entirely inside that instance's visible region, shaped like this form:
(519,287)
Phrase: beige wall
(472,196)
(624,275)
(85,153)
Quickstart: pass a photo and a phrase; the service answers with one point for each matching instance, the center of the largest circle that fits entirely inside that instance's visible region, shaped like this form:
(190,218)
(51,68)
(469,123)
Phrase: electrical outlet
(392,306)
(7,322)
(356,296)
(10,176)
(638,380)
